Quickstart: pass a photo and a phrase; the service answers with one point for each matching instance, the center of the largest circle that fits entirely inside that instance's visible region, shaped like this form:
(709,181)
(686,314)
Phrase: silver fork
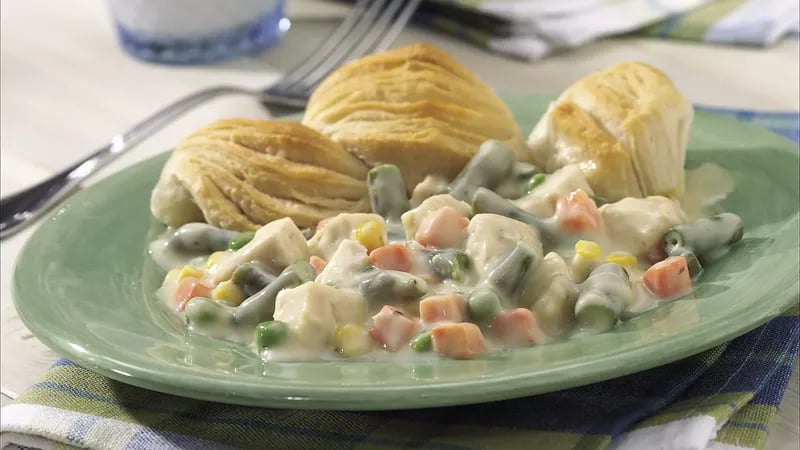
(372,25)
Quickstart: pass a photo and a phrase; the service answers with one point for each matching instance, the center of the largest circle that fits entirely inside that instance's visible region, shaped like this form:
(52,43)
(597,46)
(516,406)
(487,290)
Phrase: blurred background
(86,70)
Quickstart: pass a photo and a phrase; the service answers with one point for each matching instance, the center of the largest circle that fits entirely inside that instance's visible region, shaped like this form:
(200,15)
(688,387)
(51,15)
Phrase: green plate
(84,285)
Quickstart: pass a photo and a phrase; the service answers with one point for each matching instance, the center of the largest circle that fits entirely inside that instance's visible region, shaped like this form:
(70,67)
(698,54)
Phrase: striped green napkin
(532,29)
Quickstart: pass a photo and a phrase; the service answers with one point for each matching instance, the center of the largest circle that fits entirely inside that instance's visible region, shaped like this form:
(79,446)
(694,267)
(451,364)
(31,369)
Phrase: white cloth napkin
(540,27)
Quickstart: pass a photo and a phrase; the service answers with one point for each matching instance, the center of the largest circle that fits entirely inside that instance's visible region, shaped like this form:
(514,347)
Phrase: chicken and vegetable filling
(503,256)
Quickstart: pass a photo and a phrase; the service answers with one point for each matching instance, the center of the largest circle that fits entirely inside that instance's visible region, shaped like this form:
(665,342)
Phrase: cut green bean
(707,238)
(483,305)
(386,285)
(252,277)
(490,165)
(387,192)
(270,334)
(260,306)
(395,232)
(237,323)
(509,275)
(241,240)
(452,265)
(423,342)
(200,237)
(595,313)
(603,297)
(486,201)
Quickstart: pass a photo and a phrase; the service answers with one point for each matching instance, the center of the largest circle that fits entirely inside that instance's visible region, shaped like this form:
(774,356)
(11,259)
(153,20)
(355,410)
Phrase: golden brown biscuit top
(415,107)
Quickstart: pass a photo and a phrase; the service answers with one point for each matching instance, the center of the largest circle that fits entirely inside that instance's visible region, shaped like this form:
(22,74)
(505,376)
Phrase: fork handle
(123,142)
(19,209)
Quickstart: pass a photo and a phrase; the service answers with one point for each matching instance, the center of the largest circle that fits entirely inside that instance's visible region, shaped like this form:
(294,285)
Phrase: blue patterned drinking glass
(197,31)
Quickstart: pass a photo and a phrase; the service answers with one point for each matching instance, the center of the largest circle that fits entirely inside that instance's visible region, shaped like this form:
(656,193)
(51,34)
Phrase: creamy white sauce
(706,186)
(168,258)
(635,226)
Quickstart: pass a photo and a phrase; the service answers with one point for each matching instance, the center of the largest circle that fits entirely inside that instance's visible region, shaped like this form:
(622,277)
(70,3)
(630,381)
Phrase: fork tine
(334,58)
(382,23)
(397,26)
(323,50)
(382,32)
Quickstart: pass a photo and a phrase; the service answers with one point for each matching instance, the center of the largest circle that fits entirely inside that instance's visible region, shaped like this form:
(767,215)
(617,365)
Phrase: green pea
(423,342)
(483,305)
(269,334)
(241,240)
(536,180)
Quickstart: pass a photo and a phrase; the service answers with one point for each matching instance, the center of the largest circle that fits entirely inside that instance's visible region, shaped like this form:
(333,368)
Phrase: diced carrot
(443,228)
(187,289)
(391,257)
(669,278)
(458,340)
(392,329)
(577,212)
(515,327)
(317,263)
(440,308)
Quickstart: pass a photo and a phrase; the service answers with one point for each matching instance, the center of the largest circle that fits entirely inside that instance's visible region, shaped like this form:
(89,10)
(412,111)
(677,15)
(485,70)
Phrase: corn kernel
(622,258)
(370,235)
(228,292)
(215,258)
(352,340)
(588,249)
(190,271)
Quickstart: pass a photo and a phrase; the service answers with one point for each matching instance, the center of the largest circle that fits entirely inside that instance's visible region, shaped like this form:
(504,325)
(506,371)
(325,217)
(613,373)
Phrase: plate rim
(325,397)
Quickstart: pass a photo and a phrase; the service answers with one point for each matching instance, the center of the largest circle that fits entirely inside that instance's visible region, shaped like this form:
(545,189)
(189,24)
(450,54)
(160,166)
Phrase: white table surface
(65,86)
